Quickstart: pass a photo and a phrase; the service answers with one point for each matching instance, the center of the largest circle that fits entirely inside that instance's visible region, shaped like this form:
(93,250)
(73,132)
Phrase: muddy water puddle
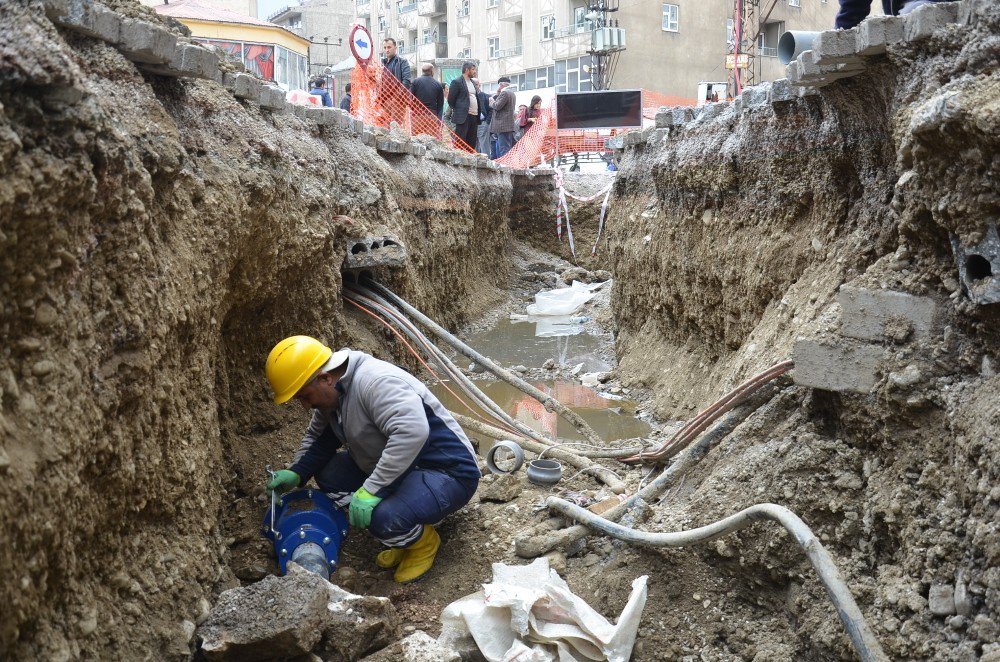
(532,343)
(611,419)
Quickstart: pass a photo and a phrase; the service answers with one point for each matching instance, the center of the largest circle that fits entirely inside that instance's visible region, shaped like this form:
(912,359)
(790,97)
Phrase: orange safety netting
(379,99)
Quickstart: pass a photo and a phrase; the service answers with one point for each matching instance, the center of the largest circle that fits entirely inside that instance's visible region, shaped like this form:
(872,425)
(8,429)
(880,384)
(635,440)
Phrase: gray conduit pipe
(530,546)
(453,371)
(610,453)
(435,354)
(550,403)
(850,615)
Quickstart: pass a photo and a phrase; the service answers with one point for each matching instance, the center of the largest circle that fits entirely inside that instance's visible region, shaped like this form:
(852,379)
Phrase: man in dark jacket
(465,105)
(503,124)
(853,12)
(345,103)
(484,141)
(397,66)
(428,91)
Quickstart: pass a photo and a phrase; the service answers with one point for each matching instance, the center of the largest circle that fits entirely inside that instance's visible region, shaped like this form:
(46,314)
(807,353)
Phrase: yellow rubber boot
(390,558)
(418,557)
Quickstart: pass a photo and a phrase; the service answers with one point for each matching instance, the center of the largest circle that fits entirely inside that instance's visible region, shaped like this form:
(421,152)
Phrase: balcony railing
(364,8)
(463,11)
(511,10)
(430,50)
(767,51)
(408,50)
(570,30)
(432,7)
(409,6)
(508,52)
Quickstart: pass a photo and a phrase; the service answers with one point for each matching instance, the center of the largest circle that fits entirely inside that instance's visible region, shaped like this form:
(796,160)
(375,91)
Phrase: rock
(476,368)
(909,376)
(278,617)
(346,578)
(295,615)
(591,379)
(4,459)
(600,276)
(941,600)
(575,273)
(519,369)
(557,561)
(577,368)
(251,572)
(503,488)
(550,364)
(963,605)
(46,314)
(418,647)
(43,367)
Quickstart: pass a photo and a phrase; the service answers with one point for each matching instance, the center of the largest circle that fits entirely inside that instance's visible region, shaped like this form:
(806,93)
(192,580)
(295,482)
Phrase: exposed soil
(157,236)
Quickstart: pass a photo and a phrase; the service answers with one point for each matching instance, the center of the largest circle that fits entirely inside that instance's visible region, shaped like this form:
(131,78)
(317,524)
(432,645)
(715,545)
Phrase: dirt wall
(157,236)
(731,238)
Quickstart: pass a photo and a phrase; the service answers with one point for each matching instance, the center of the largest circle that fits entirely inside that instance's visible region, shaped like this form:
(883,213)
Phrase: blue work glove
(282,481)
(363,503)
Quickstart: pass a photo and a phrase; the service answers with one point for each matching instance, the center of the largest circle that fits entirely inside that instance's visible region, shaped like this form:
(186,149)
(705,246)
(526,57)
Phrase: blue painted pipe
(308,529)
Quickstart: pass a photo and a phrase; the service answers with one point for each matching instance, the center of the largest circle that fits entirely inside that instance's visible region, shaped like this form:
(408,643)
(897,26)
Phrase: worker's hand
(283,480)
(363,503)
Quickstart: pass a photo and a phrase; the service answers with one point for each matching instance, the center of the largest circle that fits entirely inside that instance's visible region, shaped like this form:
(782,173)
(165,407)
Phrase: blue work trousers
(505,141)
(421,496)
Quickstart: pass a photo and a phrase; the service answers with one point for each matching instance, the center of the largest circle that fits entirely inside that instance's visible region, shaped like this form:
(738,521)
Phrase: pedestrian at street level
(533,113)
(397,66)
(484,141)
(464,105)
(345,103)
(428,91)
(503,116)
(853,12)
(379,444)
(520,119)
(318,88)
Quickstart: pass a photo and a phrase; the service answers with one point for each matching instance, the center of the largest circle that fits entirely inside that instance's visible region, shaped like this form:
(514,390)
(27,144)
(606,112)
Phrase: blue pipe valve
(307,528)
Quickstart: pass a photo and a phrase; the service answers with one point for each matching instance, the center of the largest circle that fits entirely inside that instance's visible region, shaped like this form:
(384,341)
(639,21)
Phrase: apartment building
(668,47)
(245,7)
(325,23)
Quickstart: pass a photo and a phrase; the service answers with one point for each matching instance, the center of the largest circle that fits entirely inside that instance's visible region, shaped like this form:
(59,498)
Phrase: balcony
(571,41)
(406,7)
(507,52)
(364,8)
(464,25)
(431,8)
(407,20)
(767,51)
(432,50)
(511,10)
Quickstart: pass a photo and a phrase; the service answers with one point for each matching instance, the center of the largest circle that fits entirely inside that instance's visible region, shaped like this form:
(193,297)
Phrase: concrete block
(146,43)
(845,366)
(878,314)
(979,266)
(781,91)
(273,99)
(298,110)
(93,20)
(756,96)
(357,125)
(835,46)
(246,86)
(368,138)
(328,117)
(876,33)
(374,251)
(682,115)
(664,119)
(712,110)
(193,61)
(418,647)
(924,21)
(317,114)
(793,71)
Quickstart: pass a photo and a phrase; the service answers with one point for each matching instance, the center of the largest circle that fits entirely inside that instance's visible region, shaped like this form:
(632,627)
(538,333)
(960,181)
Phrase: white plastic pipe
(793,43)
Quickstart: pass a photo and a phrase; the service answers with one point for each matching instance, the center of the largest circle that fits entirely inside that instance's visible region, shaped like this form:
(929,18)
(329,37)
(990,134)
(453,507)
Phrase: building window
(463,8)
(493,47)
(793,3)
(548,27)
(578,18)
(382,24)
(490,4)
(670,18)
(730,30)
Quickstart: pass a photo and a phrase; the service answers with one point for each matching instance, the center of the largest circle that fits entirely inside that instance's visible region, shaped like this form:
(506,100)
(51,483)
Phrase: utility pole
(607,41)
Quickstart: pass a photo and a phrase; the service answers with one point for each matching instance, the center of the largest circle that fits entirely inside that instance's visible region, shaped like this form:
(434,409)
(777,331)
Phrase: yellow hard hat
(292,363)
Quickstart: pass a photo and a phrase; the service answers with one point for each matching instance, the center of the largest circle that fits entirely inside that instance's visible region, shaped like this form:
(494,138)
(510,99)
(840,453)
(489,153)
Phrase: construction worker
(405,463)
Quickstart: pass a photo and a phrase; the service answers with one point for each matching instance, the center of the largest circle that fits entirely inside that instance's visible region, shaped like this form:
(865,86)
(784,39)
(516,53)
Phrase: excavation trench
(159,233)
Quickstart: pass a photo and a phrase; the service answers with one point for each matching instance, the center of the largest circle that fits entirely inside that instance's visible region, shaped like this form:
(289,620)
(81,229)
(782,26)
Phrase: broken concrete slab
(876,33)
(501,489)
(664,119)
(273,98)
(843,366)
(925,21)
(243,86)
(682,115)
(93,20)
(941,599)
(418,647)
(366,252)
(146,43)
(880,314)
(195,61)
(276,618)
(357,625)
(781,92)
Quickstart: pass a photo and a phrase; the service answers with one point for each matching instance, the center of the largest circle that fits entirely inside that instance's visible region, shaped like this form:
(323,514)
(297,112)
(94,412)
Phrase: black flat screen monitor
(608,109)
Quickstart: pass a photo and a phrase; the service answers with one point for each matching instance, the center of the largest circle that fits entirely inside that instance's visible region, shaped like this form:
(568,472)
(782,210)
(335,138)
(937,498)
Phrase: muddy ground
(157,236)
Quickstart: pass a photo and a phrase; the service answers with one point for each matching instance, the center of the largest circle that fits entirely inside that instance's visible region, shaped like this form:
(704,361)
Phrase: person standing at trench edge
(378,443)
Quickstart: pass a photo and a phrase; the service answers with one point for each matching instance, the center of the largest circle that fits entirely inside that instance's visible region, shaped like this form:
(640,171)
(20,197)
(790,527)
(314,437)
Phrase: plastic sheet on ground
(528,614)
(565,301)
